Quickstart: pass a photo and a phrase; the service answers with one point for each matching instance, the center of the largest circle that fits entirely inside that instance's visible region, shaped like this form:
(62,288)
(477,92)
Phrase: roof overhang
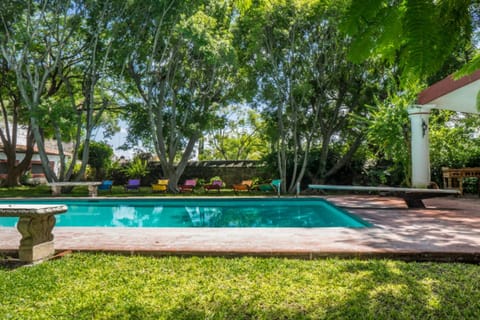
(456,95)
(23,149)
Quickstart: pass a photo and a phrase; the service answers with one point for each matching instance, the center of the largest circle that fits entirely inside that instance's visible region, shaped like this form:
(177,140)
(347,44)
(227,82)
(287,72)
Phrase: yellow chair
(161,185)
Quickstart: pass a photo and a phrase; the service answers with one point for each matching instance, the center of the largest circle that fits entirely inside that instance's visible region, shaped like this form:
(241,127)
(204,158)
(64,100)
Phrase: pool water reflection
(200,212)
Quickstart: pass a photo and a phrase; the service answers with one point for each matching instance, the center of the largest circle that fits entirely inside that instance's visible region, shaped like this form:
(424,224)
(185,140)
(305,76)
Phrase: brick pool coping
(448,229)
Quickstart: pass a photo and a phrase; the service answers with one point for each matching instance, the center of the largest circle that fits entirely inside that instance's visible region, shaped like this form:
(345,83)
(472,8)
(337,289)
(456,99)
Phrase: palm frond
(422,36)
(375,27)
(472,66)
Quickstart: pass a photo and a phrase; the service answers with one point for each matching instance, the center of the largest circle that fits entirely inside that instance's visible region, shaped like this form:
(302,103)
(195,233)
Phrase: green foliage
(99,157)
(349,174)
(137,168)
(295,57)
(88,174)
(389,139)
(242,137)
(454,142)
(26,178)
(60,54)
(419,35)
(477,101)
(215,178)
(115,171)
(136,116)
(181,67)
(99,286)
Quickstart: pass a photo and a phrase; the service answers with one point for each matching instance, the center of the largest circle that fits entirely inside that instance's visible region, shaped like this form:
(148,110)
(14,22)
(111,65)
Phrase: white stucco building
(36,166)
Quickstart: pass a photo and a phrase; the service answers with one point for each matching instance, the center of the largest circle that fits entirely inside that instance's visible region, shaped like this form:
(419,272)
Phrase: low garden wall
(229,171)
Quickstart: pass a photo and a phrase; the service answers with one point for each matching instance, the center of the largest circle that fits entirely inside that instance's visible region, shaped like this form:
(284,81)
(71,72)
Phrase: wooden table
(92,187)
(35,224)
(453,178)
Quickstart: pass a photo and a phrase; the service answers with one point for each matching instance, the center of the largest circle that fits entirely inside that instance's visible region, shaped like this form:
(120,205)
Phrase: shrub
(138,168)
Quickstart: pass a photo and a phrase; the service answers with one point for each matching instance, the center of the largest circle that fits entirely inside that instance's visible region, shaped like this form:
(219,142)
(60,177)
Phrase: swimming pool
(198,212)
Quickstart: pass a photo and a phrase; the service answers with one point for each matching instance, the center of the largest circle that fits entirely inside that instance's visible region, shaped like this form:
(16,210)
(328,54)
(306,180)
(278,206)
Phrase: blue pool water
(191,212)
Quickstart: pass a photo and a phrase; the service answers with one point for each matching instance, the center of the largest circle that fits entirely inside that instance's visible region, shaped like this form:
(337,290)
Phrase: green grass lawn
(99,286)
(117,191)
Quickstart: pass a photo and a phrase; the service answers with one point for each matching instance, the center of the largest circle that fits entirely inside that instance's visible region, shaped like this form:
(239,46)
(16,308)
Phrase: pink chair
(188,185)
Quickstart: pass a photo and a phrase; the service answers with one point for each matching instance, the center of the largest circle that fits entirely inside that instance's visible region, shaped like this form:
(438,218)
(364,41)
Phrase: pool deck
(447,230)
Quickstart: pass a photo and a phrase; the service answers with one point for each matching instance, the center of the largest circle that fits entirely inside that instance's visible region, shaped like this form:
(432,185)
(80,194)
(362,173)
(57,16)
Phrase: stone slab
(30,210)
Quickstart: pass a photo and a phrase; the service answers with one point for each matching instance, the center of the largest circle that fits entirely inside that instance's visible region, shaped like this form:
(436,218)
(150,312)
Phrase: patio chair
(133,184)
(245,185)
(274,185)
(106,185)
(215,185)
(161,185)
(188,185)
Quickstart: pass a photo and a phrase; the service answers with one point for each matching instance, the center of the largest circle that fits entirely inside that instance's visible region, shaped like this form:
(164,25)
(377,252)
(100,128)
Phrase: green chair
(277,184)
(274,185)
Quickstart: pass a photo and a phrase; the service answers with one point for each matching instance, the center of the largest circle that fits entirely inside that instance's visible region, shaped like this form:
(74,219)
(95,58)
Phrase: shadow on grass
(86,286)
(9,263)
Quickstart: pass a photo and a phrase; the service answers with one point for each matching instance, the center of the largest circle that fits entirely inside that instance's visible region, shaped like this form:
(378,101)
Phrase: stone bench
(412,196)
(35,224)
(92,187)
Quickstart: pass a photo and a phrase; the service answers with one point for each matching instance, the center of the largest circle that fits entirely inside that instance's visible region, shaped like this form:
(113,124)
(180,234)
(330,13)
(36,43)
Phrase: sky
(117,140)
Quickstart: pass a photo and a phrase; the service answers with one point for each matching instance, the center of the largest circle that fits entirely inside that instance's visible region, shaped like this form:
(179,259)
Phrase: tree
(388,136)
(99,157)
(418,35)
(242,137)
(181,64)
(54,49)
(296,56)
(13,112)
(14,119)
(33,55)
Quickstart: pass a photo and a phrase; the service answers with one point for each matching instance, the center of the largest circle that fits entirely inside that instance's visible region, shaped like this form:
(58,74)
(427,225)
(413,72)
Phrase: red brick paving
(448,229)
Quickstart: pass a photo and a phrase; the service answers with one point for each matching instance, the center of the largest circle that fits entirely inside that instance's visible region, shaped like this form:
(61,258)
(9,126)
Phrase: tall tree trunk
(174,172)
(16,170)
(10,111)
(346,157)
(49,173)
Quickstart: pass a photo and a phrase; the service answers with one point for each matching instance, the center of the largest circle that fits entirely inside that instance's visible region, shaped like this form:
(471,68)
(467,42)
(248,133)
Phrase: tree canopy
(417,35)
(311,84)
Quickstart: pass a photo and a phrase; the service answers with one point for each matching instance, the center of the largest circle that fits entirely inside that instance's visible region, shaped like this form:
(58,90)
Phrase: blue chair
(106,185)
(276,184)
(133,184)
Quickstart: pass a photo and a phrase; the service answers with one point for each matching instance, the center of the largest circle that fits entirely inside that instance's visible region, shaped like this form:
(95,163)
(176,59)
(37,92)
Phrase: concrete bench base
(39,252)
(35,224)
(56,187)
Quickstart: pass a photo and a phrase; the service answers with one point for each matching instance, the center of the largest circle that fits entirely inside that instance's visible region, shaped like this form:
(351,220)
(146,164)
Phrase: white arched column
(420,145)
